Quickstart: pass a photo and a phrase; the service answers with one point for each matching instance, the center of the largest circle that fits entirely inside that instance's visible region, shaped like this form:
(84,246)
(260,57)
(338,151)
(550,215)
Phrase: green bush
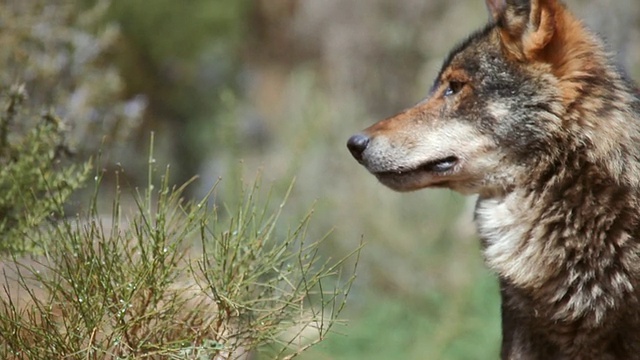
(34,179)
(170,279)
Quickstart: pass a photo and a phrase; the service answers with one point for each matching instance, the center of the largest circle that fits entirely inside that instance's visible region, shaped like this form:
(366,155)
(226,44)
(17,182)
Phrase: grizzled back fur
(531,114)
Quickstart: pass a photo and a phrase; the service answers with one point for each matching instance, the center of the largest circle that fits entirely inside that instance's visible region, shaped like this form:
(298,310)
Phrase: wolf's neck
(606,126)
(574,240)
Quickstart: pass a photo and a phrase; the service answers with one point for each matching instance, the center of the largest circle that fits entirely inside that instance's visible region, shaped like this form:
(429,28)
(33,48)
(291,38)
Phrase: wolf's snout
(357,145)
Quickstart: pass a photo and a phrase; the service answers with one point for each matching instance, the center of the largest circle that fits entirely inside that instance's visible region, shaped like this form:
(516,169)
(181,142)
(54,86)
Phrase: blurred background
(233,88)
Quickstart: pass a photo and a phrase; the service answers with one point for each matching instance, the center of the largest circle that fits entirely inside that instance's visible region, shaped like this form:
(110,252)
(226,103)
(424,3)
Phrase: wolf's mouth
(438,166)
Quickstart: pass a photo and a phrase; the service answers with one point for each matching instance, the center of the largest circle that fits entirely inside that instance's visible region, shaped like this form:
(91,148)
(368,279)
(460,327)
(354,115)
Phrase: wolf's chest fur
(568,269)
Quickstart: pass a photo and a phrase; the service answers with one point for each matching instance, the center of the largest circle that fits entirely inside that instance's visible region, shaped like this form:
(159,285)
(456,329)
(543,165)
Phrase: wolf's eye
(453,88)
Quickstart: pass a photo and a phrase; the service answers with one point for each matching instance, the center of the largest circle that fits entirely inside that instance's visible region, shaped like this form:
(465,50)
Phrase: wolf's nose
(357,144)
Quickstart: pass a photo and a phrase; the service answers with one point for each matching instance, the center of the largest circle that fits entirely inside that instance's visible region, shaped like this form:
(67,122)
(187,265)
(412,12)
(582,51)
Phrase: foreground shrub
(170,279)
(34,178)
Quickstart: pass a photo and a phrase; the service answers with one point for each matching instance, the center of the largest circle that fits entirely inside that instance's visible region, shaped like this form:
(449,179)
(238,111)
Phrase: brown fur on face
(531,114)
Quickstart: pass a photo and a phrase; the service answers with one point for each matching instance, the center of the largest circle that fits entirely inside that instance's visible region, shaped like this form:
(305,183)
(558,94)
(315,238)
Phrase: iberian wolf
(532,114)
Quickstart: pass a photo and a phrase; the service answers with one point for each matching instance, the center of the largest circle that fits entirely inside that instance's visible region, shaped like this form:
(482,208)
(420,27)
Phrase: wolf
(531,114)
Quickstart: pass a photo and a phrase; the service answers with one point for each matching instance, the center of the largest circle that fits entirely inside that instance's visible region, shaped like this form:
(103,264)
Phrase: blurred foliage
(60,54)
(181,56)
(167,30)
(34,179)
(455,325)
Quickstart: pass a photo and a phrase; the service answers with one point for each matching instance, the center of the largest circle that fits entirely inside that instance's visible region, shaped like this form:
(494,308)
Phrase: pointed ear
(496,8)
(527,26)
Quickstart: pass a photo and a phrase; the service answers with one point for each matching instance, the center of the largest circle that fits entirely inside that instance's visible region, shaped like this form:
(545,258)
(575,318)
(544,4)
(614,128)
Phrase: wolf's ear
(496,8)
(526,26)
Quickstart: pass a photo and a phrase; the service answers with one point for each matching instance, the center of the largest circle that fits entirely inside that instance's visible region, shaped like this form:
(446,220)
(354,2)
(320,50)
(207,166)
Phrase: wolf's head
(513,95)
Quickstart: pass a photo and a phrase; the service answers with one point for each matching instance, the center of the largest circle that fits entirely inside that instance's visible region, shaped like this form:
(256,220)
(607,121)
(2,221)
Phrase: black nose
(357,144)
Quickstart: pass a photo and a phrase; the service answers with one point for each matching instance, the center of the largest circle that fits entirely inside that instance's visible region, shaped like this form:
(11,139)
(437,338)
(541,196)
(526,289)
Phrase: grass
(461,325)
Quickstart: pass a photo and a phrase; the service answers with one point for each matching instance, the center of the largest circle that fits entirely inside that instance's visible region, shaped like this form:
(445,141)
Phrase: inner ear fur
(496,8)
(526,26)
(545,31)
